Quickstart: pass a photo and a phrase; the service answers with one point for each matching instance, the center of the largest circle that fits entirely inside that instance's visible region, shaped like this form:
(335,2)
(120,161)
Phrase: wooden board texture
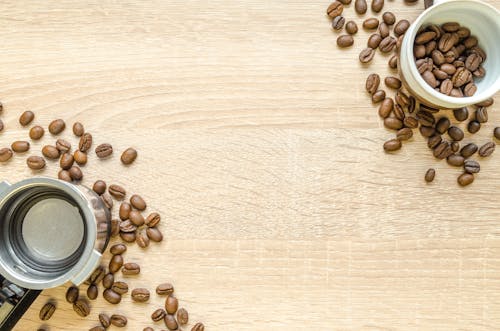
(263,153)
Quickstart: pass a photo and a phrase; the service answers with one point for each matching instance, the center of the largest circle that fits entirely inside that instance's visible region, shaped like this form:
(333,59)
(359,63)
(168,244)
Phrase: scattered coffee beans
(345,40)
(5,154)
(171,304)
(103,150)
(72,294)
(487,149)
(26,118)
(120,287)
(117,191)
(496,133)
(105,320)
(80,157)
(351,27)
(360,6)
(118,320)
(465,179)
(85,142)
(81,307)
(36,132)
(57,126)
(429,175)
(78,129)
(131,269)
(115,263)
(128,156)
(182,316)
(92,292)
(165,289)
(140,295)
(63,146)
(35,162)
(111,296)
(158,315)
(472,167)
(99,187)
(47,311)
(20,146)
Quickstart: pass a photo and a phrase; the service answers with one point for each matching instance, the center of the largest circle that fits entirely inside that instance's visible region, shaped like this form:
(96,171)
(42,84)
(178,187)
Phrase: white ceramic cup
(484,22)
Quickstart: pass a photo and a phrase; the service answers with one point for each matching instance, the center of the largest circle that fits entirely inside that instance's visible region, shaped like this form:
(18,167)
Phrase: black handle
(14,302)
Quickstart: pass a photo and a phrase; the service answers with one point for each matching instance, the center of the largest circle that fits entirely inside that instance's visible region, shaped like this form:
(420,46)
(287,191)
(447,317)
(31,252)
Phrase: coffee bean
(120,287)
(115,263)
(117,191)
(92,292)
(117,249)
(72,294)
(372,83)
(128,156)
(455,160)
(377,5)
(75,173)
(378,96)
(97,276)
(446,87)
(360,6)
(63,145)
(465,179)
(447,41)
(85,142)
(430,79)
(66,161)
(98,328)
(392,145)
(105,320)
(455,146)
(461,114)
(171,304)
(129,237)
(450,26)
(383,30)
(108,280)
(429,175)
(351,27)
(461,77)
(26,118)
(138,202)
(481,115)
(366,55)
(36,132)
(468,150)
(457,93)
(35,162)
(115,227)
(80,157)
(392,82)
(81,307)
(20,146)
(437,57)
(430,47)
(170,322)
(486,103)
(425,118)
(410,122)
(140,295)
(199,326)
(370,23)
(496,133)
(399,112)
(165,289)
(131,269)
(338,23)
(149,328)
(404,134)
(111,296)
(47,311)
(50,152)
(99,187)
(103,150)
(142,239)
(443,150)
(57,126)
(124,211)
(428,108)
(158,315)
(427,131)
(182,316)
(78,129)
(473,61)
(401,27)
(455,133)
(64,175)
(470,89)
(393,123)
(136,218)
(419,51)
(472,167)
(345,40)
(441,75)
(335,9)
(487,149)
(387,44)
(393,62)
(434,140)
(374,40)
(118,320)
(442,125)
(389,18)
(424,37)
(154,234)
(473,126)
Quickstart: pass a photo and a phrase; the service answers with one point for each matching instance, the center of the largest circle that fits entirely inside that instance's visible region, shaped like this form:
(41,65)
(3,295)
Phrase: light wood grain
(260,148)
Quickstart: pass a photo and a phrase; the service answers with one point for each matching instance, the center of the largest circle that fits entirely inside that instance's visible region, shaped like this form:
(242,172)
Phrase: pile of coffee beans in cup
(449,59)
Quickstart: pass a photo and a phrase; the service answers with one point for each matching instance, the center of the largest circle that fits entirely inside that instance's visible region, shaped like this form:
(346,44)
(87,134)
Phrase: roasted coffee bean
(47,311)
(402,99)
(429,175)
(158,315)
(85,142)
(111,296)
(443,150)
(377,5)
(80,157)
(442,125)
(81,307)
(378,96)
(78,129)
(470,42)
(457,93)
(50,152)
(75,173)
(427,131)
(351,27)
(199,326)
(496,133)
(389,18)
(170,322)
(461,77)
(366,55)
(437,57)
(461,114)
(434,140)
(118,249)
(383,30)
(108,280)
(118,320)
(64,175)
(387,44)
(360,6)
(128,237)
(374,40)
(105,320)
(115,227)
(481,115)
(35,162)
(57,126)
(120,287)
(92,292)
(455,133)
(131,269)
(98,328)
(72,294)
(424,37)
(465,179)
(171,304)
(472,167)
(430,47)
(393,123)
(486,103)
(338,23)
(154,234)
(425,118)
(441,75)
(345,40)
(370,23)
(473,61)
(128,156)
(419,51)
(487,149)
(473,126)
(335,9)
(450,26)
(140,295)
(26,118)
(410,122)
(372,83)
(401,27)
(136,218)
(446,87)
(392,82)
(392,145)
(399,112)
(393,62)
(142,239)
(36,132)
(455,160)
(99,187)
(103,150)
(428,108)
(20,146)
(447,41)
(430,79)
(138,202)
(115,263)
(117,191)
(469,150)
(165,289)
(63,145)
(470,89)
(124,211)
(455,146)
(97,276)
(66,161)
(148,329)
(424,65)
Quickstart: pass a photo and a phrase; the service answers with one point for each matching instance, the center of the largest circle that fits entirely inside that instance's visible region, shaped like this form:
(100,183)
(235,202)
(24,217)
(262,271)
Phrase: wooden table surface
(261,150)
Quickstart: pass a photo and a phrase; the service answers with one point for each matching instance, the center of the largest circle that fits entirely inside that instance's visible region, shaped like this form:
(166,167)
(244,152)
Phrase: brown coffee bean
(345,40)
(496,133)
(171,304)
(442,125)
(115,227)
(465,179)
(35,162)
(118,320)
(72,294)
(472,167)
(461,114)
(118,249)
(138,202)
(75,173)
(154,234)
(142,239)
(469,150)
(120,287)
(446,87)
(374,40)
(434,140)
(136,218)
(131,269)
(92,292)
(387,44)
(351,27)
(85,142)
(80,157)
(128,156)
(437,57)
(447,41)
(111,296)
(66,161)
(81,307)
(457,93)
(78,129)
(470,42)
(461,77)
(392,82)
(442,151)
(26,118)
(378,96)
(393,62)
(389,18)
(430,47)
(392,145)
(148,329)
(383,30)
(360,6)
(455,146)
(140,295)
(50,152)
(404,134)
(441,75)
(425,118)
(20,146)
(98,328)
(105,320)
(455,160)
(99,187)
(57,126)
(429,175)
(427,131)
(393,123)
(64,175)
(455,133)
(430,79)
(481,115)
(165,289)
(170,322)
(117,191)
(424,65)
(200,326)
(108,280)
(335,9)
(370,23)
(338,23)
(473,126)
(47,311)
(419,51)
(401,27)
(158,315)
(372,83)
(399,112)
(410,122)
(486,103)
(103,150)
(128,237)
(97,276)
(366,55)
(487,149)
(115,263)
(450,26)
(377,5)
(63,145)
(424,37)
(470,89)
(36,132)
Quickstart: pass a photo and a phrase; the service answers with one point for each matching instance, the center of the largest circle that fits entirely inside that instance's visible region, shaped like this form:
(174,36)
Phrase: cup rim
(457,101)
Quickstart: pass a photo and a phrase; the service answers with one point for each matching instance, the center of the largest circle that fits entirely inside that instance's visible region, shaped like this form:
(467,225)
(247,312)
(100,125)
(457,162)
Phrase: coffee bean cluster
(449,59)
